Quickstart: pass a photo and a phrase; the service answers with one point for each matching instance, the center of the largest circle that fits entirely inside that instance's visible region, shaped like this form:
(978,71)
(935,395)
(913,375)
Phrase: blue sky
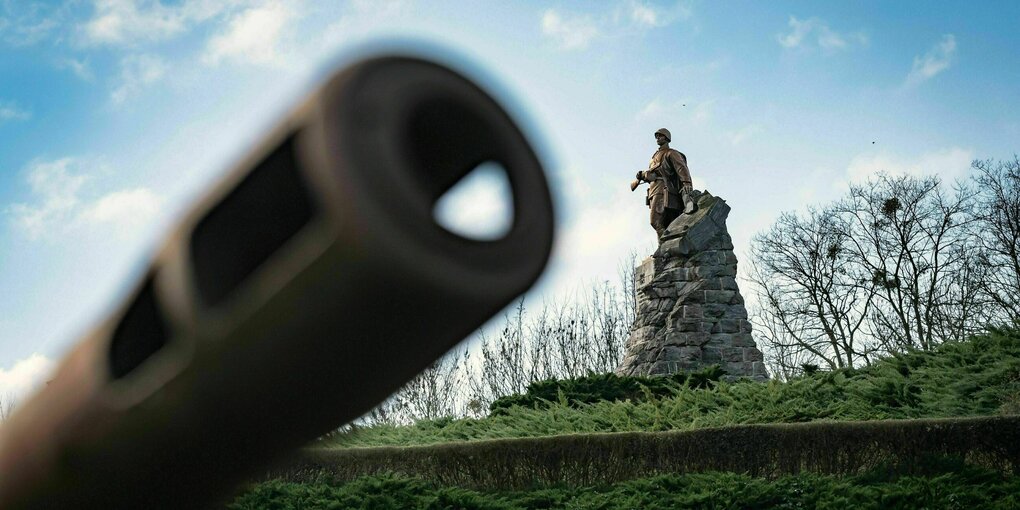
(115,113)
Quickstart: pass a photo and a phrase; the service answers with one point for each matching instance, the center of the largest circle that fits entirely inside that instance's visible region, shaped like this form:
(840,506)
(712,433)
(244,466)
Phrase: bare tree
(915,241)
(812,302)
(564,339)
(612,313)
(510,361)
(628,288)
(784,355)
(569,329)
(901,262)
(998,215)
(587,334)
(894,265)
(438,391)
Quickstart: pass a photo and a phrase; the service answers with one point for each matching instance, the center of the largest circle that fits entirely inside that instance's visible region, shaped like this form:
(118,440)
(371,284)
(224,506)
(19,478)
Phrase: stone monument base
(690,313)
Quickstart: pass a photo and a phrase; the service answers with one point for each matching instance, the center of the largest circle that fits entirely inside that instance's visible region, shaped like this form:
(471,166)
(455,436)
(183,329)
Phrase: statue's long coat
(656,174)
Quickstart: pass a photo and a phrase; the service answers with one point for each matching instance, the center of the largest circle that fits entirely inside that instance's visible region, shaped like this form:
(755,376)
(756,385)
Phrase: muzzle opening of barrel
(449,138)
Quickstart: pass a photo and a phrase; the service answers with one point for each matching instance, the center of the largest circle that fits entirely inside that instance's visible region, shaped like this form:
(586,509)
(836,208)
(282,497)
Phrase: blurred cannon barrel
(307,286)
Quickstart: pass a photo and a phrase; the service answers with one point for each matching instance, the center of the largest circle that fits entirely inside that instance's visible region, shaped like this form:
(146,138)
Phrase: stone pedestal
(690,313)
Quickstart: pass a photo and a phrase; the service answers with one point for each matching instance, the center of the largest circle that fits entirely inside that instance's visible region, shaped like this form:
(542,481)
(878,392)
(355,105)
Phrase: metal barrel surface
(302,290)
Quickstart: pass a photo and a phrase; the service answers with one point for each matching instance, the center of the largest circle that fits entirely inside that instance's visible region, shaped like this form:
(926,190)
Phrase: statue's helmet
(665,132)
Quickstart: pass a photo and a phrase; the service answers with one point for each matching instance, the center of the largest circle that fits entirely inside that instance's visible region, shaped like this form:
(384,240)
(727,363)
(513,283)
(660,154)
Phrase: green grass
(978,377)
(945,487)
(762,450)
(604,388)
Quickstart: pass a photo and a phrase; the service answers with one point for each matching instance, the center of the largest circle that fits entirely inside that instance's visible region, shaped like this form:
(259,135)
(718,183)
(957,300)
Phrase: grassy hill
(954,487)
(916,463)
(979,377)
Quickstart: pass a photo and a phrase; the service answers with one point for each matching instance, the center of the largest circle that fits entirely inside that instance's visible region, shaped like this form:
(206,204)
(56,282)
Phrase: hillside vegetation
(765,450)
(951,487)
(900,263)
(978,377)
(810,449)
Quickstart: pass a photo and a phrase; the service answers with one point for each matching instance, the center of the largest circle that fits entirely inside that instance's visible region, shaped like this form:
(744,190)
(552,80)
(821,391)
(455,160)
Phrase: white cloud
(131,21)
(654,108)
(33,33)
(601,235)
(575,179)
(361,17)
(11,111)
(28,23)
(666,113)
(830,40)
(59,207)
(137,72)
(26,376)
(739,136)
(608,228)
(938,59)
(569,33)
(577,32)
(201,10)
(123,210)
(815,32)
(645,14)
(56,187)
(817,185)
(80,68)
(118,21)
(799,29)
(949,164)
(654,15)
(252,36)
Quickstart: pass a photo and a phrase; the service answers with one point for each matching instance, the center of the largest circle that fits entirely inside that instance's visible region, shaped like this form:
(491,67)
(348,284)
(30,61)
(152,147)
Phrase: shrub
(953,488)
(760,450)
(605,388)
(972,378)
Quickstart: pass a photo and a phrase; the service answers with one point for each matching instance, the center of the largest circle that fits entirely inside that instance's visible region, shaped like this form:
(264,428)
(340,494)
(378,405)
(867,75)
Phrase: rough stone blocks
(714,310)
(690,313)
(729,326)
(758,368)
(742,340)
(719,296)
(688,326)
(752,354)
(682,339)
(733,354)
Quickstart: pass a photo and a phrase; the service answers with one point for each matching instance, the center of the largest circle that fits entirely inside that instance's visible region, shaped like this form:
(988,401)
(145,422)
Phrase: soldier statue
(669,190)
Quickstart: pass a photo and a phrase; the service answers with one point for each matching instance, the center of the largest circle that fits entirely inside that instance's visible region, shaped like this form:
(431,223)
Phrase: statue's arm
(683,173)
(650,175)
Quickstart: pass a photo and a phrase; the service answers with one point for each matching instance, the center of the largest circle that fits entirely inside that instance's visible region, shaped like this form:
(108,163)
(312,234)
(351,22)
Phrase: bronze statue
(669,190)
